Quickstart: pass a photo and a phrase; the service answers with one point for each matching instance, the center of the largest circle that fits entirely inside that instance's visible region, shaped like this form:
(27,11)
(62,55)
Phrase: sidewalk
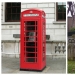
(55,65)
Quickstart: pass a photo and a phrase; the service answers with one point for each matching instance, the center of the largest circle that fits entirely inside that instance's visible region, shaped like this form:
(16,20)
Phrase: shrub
(72,29)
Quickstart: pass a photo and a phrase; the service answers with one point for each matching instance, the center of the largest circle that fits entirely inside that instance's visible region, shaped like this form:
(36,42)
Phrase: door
(30,43)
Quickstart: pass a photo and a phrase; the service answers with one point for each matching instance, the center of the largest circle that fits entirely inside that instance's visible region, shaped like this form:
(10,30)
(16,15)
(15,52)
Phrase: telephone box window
(30,49)
(30,60)
(30,54)
(30,23)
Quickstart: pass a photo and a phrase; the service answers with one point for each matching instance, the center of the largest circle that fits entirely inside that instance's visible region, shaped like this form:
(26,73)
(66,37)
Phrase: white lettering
(25,15)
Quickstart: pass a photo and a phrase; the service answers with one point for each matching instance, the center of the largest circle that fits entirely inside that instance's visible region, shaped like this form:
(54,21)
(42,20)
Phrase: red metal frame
(33,57)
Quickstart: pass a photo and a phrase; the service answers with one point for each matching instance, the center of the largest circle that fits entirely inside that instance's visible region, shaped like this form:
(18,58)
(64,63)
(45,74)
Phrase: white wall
(1,12)
(57,31)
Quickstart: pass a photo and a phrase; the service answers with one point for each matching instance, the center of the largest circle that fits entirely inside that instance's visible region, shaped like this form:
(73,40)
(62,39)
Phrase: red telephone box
(33,40)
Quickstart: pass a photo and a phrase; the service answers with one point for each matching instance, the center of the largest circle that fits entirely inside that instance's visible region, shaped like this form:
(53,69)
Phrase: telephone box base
(32,69)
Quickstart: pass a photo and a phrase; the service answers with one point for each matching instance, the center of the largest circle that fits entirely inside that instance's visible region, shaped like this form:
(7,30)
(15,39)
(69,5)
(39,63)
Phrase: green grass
(71,66)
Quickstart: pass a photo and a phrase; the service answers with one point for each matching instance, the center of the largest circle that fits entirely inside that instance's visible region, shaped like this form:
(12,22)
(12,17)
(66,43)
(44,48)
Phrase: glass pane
(18,4)
(65,16)
(30,28)
(13,10)
(30,39)
(9,17)
(18,10)
(59,8)
(14,4)
(30,23)
(30,33)
(30,59)
(64,8)
(59,3)
(18,17)
(30,49)
(31,36)
(8,4)
(30,54)
(8,10)
(60,16)
(13,16)
(30,43)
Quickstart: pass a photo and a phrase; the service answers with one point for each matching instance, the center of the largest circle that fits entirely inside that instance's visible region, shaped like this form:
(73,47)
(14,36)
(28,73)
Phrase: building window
(61,11)
(12,11)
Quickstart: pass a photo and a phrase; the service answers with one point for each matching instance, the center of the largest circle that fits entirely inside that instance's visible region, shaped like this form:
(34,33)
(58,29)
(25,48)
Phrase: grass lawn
(71,66)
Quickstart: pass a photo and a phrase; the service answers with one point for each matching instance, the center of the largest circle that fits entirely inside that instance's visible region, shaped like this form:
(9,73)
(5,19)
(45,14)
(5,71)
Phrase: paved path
(55,65)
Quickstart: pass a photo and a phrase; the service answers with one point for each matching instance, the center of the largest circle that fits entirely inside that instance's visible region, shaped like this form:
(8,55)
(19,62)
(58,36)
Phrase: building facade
(55,27)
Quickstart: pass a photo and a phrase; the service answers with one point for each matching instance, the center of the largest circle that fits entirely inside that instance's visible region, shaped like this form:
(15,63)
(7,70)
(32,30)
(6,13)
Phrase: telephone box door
(30,53)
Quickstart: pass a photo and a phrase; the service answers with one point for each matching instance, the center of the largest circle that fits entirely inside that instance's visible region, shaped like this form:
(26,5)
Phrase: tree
(71,9)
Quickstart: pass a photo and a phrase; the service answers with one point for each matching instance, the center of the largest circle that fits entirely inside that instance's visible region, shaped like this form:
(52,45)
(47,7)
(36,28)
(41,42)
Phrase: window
(61,11)
(12,11)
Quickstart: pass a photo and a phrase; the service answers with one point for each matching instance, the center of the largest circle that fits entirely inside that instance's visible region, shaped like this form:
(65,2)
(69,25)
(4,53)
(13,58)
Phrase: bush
(73,36)
(72,29)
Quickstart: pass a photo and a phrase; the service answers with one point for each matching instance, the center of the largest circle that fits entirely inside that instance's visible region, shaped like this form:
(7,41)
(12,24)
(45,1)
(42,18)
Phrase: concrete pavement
(54,66)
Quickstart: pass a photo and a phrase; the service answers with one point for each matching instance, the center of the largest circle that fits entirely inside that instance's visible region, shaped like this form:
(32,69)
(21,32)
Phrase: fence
(56,49)
(53,48)
(71,48)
